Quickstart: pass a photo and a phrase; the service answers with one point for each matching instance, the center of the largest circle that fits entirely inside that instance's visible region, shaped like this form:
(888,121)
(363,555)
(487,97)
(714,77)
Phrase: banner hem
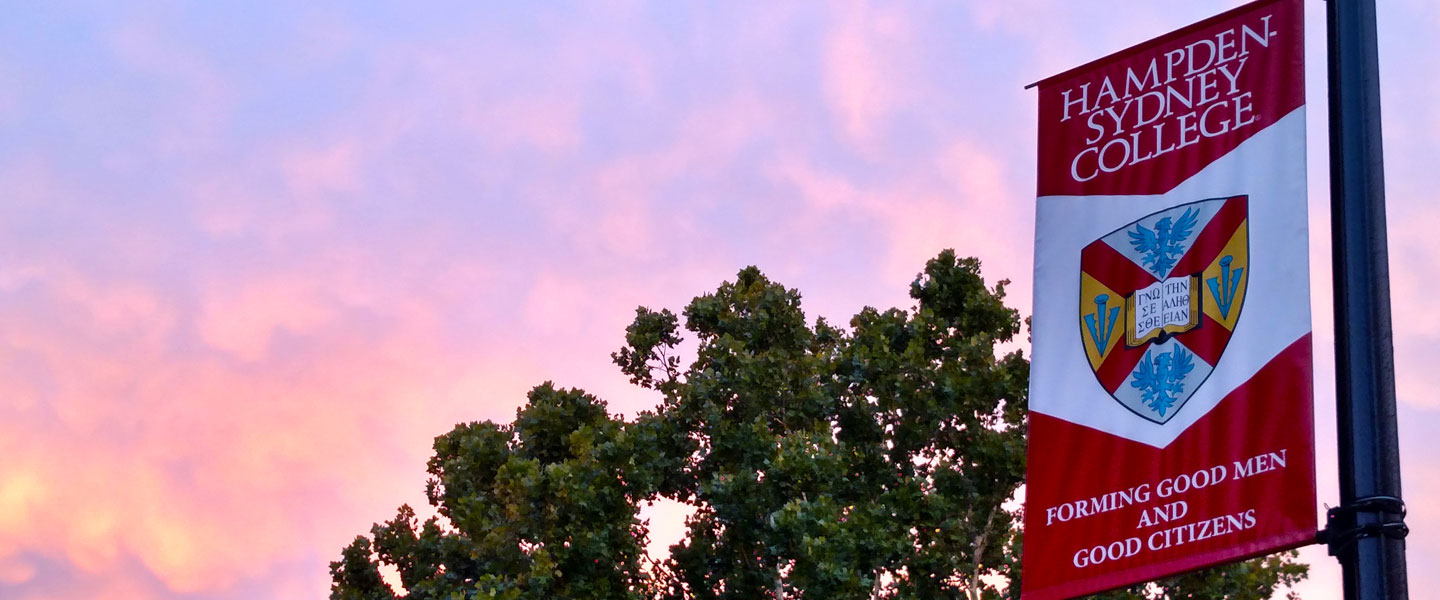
(1277,543)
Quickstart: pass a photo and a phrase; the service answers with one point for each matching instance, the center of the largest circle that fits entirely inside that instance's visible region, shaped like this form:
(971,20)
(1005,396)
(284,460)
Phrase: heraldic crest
(1159,299)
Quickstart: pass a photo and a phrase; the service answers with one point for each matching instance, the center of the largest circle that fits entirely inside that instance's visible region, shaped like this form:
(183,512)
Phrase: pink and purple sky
(253,257)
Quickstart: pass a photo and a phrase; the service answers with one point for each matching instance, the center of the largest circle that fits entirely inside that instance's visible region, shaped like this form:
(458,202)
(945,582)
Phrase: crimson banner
(1170,395)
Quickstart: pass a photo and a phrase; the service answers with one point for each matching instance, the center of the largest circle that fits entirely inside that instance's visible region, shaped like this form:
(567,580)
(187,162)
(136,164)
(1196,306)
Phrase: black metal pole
(1367,531)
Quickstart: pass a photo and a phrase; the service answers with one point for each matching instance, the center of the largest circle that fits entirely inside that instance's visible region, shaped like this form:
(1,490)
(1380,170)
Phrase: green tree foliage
(878,460)
(543,508)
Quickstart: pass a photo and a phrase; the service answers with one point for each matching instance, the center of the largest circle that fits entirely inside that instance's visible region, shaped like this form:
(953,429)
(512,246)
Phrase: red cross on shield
(1159,298)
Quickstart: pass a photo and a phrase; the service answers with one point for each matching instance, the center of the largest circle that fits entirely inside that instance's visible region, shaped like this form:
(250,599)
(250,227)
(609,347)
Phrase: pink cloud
(242,319)
(557,304)
(121,445)
(667,525)
(335,168)
(276,381)
(115,584)
(964,200)
(16,571)
(549,123)
(861,70)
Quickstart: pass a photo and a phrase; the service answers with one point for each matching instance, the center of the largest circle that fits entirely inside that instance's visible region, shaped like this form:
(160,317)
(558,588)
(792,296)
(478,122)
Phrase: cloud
(557,304)
(16,571)
(962,199)
(860,70)
(242,320)
(547,123)
(208,450)
(332,169)
(1414,266)
(250,266)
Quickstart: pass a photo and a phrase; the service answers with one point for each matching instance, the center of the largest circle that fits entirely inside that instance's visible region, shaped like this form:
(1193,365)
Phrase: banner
(1170,395)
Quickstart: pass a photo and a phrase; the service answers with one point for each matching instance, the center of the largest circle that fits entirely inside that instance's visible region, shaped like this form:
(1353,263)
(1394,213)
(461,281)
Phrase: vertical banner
(1170,395)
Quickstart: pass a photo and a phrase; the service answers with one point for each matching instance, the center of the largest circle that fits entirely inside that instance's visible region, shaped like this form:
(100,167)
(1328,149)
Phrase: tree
(542,508)
(878,460)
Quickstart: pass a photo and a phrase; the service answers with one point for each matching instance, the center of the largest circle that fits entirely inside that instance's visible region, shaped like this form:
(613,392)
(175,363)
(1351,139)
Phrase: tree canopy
(878,460)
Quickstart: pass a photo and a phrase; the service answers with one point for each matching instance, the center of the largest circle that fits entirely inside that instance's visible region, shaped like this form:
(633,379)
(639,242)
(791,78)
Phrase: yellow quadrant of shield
(1089,290)
(1238,250)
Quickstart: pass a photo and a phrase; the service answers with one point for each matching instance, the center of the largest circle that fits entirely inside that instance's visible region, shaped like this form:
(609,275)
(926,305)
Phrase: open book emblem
(1159,299)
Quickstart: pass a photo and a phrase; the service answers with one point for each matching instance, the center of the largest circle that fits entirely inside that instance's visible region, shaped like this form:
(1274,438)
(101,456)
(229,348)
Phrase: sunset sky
(255,256)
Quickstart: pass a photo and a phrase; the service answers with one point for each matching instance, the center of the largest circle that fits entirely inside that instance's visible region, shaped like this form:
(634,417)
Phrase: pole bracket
(1390,509)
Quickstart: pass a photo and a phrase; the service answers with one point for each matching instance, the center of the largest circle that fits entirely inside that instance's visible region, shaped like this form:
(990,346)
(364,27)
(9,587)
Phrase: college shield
(1159,299)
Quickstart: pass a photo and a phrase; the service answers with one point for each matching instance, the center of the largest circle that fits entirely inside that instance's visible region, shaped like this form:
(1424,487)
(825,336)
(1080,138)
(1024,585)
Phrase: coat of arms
(1159,299)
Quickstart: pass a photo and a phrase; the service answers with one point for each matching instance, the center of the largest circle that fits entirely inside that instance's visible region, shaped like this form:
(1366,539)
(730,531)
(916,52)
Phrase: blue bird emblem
(1161,246)
(1161,377)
